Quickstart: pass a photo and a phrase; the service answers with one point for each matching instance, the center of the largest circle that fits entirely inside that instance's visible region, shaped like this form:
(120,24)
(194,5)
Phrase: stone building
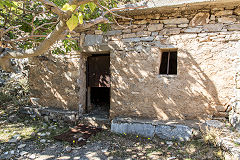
(175,60)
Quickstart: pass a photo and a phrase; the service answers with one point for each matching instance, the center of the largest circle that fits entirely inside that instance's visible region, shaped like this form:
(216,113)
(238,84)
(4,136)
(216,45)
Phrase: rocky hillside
(13,86)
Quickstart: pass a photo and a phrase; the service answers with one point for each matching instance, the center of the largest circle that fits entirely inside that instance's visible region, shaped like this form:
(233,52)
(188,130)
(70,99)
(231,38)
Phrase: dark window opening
(168,63)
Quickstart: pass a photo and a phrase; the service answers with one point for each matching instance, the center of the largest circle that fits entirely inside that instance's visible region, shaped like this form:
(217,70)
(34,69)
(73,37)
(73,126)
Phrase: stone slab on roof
(149,6)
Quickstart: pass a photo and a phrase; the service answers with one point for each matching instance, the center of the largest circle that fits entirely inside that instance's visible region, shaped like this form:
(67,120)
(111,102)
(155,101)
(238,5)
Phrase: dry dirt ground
(23,137)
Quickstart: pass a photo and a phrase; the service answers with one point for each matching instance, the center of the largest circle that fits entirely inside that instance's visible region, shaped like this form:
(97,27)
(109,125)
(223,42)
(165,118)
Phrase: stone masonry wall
(207,41)
(56,81)
(234,116)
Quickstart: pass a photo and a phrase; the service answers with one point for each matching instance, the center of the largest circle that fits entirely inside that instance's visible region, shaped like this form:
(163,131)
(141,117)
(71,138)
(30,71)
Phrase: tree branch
(88,24)
(26,10)
(53,7)
(4,31)
(80,2)
(58,34)
(43,25)
(25,38)
(117,15)
(21,18)
(111,11)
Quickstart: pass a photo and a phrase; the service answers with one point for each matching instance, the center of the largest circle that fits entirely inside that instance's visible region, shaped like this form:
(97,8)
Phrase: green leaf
(7,3)
(67,7)
(72,22)
(14,4)
(82,7)
(92,6)
(80,18)
(73,7)
(1,5)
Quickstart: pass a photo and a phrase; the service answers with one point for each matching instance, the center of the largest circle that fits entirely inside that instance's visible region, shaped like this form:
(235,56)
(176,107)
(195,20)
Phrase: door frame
(88,89)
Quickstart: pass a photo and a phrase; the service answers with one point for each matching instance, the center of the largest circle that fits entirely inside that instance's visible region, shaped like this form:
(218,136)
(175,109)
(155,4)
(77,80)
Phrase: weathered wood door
(98,71)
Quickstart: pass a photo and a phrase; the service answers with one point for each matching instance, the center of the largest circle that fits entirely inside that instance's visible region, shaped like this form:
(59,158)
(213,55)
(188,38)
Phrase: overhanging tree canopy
(29,28)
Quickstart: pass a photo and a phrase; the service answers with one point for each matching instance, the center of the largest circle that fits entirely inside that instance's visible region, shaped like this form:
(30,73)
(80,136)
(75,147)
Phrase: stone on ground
(21,146)
(215,123)
(149,129)
(23,153)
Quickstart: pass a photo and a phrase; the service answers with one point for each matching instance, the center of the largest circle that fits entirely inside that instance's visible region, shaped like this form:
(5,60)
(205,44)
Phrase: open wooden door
(98,83)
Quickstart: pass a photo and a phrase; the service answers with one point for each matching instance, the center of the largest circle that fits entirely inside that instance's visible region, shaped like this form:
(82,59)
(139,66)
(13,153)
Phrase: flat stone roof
(155,5)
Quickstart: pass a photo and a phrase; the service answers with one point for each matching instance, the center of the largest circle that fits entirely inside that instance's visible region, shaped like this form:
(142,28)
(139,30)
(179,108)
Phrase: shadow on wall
(201,87)
(54,81)
(139,91)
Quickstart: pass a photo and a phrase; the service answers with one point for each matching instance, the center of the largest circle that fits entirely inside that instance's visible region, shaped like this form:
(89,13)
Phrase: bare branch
(126,8)
(32,23)
(44,25)
(53,7)
(58,34)
(26,10)
(13,46)
(21,18)
(25,38)
(121,25)
(88,24)
(3,31)
(11,28)
(117,15)
(80,2)
(110,11)
(60,31)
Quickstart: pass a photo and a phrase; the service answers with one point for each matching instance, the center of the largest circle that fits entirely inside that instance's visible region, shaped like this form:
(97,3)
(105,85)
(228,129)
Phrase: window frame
(168,62)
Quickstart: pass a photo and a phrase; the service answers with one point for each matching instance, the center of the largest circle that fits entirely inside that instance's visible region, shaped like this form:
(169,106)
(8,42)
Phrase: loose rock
(33,134)
(42,134)
(21,146)
(169,143)
(33,156)
(68,149)
(215,123)
(12,140)
(12,118)
(23,153)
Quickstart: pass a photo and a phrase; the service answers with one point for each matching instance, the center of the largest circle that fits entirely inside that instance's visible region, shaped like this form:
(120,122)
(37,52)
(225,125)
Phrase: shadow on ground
(34,140)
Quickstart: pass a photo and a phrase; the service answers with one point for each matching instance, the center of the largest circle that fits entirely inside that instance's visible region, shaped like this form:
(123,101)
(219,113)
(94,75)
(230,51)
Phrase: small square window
(168,64)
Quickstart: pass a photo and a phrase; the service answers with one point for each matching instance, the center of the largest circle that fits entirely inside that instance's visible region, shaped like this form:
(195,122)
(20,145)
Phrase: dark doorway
(98,85)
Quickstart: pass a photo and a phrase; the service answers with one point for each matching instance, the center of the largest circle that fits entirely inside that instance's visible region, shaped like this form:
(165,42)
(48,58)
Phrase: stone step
(104,123)
(171,130)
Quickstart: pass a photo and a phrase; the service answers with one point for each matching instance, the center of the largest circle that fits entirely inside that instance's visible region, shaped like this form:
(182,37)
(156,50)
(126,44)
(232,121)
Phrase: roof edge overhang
(148,6)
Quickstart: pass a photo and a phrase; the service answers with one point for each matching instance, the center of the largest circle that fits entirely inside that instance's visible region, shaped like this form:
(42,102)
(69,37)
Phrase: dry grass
(120,146)
(130,146)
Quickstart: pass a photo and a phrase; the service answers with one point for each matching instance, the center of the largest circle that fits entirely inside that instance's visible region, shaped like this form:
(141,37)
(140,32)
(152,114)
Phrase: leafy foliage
(72,23)
(32,18)
(68,45)
(23,14)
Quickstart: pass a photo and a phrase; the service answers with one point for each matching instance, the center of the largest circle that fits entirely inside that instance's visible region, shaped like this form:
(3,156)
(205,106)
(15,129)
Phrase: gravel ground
(23,137)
